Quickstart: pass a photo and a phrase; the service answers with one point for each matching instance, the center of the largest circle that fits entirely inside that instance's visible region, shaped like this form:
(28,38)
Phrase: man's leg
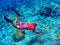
(15,22)
(11,21)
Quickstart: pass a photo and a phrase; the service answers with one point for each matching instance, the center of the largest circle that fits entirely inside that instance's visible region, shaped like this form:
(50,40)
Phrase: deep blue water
(45,13)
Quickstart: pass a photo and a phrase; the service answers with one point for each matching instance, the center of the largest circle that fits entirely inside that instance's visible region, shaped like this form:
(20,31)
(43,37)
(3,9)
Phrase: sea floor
(45,13)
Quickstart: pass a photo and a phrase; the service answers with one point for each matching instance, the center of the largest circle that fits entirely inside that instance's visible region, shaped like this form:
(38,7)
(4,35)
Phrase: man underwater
(20,34)
(20,25)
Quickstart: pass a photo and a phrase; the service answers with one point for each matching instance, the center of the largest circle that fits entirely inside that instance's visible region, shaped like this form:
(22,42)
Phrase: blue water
(46,13)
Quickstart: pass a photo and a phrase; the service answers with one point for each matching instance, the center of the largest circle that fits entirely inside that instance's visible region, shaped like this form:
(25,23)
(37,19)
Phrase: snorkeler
(20,34)
(20,25)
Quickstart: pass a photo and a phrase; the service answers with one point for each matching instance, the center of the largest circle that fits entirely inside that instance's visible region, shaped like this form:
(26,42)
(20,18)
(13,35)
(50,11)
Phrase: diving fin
(13,9)
(8,20)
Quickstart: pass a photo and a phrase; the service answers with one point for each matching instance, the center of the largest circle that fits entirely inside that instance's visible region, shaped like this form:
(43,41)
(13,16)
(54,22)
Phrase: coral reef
(46,13)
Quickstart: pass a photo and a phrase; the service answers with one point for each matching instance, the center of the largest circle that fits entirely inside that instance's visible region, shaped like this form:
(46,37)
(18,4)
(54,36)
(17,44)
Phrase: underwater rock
(3,35)
(38,31)
(32,41)
(46,11)
(49,10)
